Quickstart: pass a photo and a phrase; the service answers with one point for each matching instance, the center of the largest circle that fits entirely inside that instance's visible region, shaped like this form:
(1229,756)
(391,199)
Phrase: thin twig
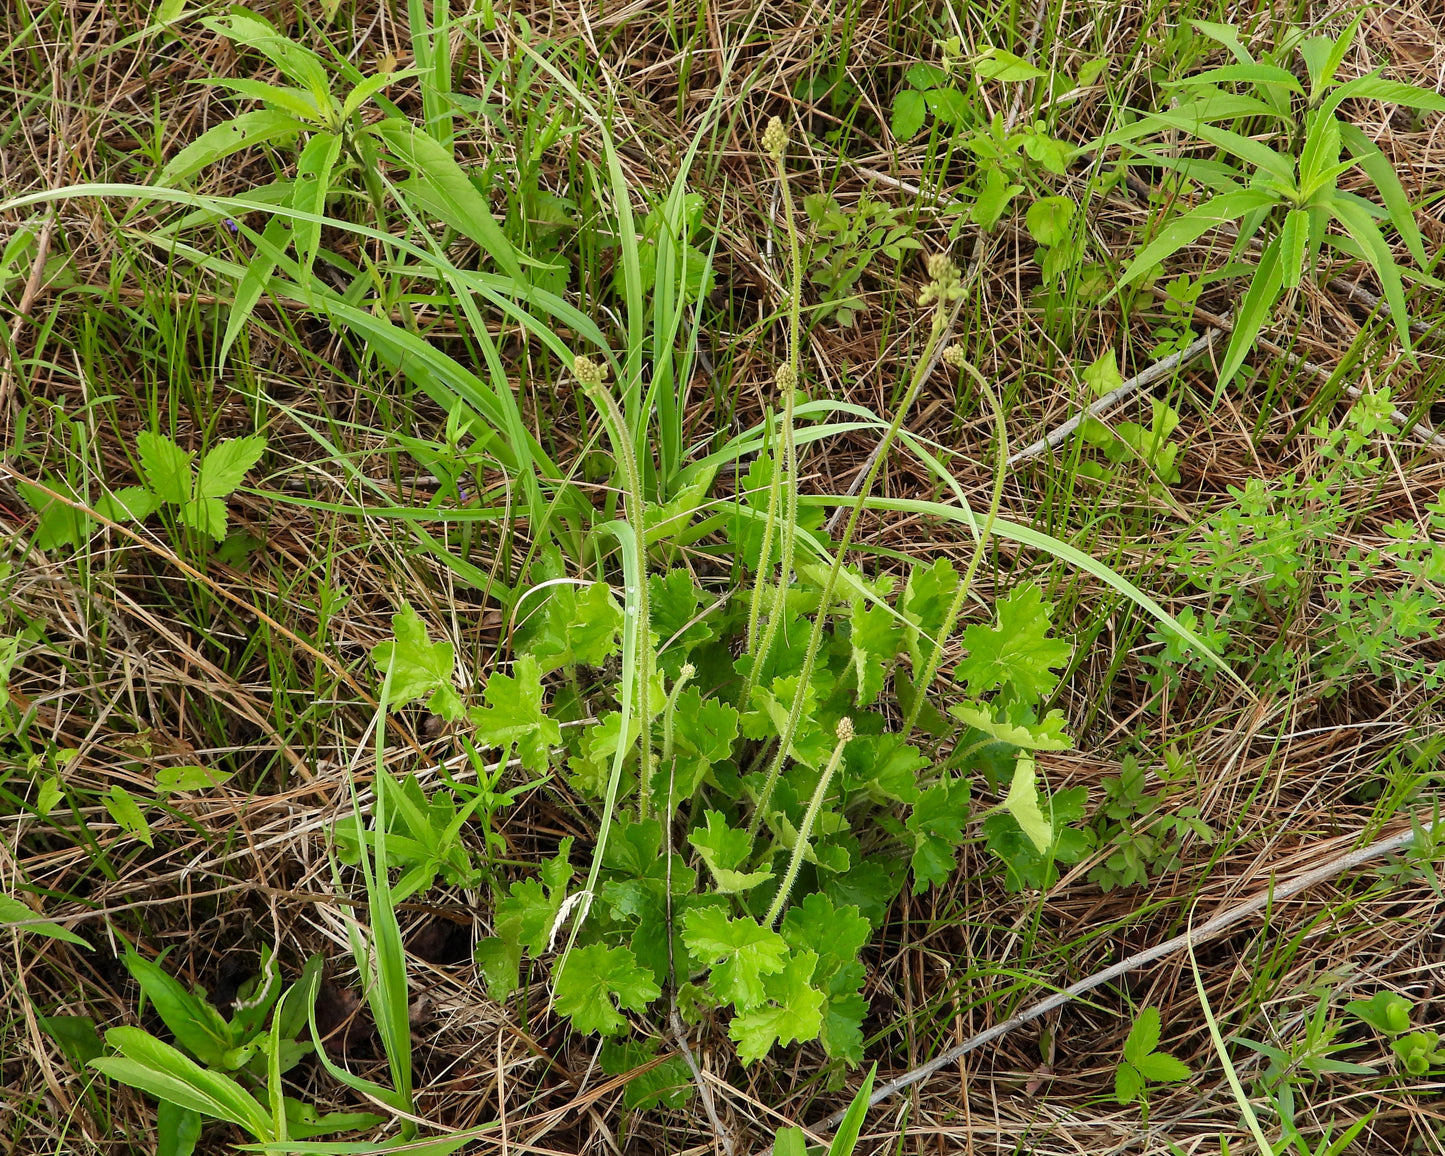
(679,1032)
(1114,397)
(1206,931)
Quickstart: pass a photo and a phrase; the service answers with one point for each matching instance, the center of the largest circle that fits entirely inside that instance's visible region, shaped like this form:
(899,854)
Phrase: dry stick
(1150,375)
(27,301)
(1206,931)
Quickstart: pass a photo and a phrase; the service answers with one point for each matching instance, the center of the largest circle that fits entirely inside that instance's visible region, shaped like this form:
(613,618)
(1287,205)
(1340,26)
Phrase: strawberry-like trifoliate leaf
(225,465)
(723,849)
(793,1010)
(1141,1062)
(1018,652)
(739,951)
(514,715)
(167,467)
(591,977)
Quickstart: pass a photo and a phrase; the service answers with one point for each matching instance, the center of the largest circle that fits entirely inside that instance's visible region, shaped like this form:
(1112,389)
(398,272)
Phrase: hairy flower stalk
(945,293)
(784,482)
(954,357)
(820,792)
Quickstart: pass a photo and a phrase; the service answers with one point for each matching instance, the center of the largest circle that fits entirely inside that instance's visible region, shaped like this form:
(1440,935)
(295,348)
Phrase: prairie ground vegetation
(634,577)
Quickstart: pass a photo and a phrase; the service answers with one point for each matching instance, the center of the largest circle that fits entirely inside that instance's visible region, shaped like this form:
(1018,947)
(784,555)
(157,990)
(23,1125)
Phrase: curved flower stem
(820,792)
(935,658)
(942,290)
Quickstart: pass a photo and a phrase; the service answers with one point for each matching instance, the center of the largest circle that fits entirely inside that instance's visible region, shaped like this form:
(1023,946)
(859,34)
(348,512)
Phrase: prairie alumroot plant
(784,483)
(944,292)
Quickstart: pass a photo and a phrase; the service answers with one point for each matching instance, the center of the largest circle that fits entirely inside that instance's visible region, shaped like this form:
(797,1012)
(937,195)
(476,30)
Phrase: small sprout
(589,372)
(775,139)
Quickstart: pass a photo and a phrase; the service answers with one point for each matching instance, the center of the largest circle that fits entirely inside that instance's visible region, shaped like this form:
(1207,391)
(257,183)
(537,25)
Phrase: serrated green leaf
(514,715)
(167,467)
(417,665)
(13,910)
(579,625)
(1018,652)
(922,76)
(591,977)
(1162,1067)
(949,105)
(1143,1035)
(205,516)
(723,849)
(875,639)
(835,934)
(739,951)
(792,1010)
(1128,1083)
(225,466)
(130,504)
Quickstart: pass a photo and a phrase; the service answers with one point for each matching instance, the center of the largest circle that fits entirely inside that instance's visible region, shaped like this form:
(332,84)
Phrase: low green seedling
(1418,1053)
(1129,443)
(1142,1062)
(1288,197)
(845,242)
(1004,155)
(223,1069)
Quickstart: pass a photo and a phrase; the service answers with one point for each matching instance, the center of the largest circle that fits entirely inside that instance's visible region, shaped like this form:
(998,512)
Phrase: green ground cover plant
(528,621)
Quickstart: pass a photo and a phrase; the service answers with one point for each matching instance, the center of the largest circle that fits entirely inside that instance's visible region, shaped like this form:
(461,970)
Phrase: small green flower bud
(589,372)
(845,730)
(786,379)
(775,139)
(944,283)
(953,356)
